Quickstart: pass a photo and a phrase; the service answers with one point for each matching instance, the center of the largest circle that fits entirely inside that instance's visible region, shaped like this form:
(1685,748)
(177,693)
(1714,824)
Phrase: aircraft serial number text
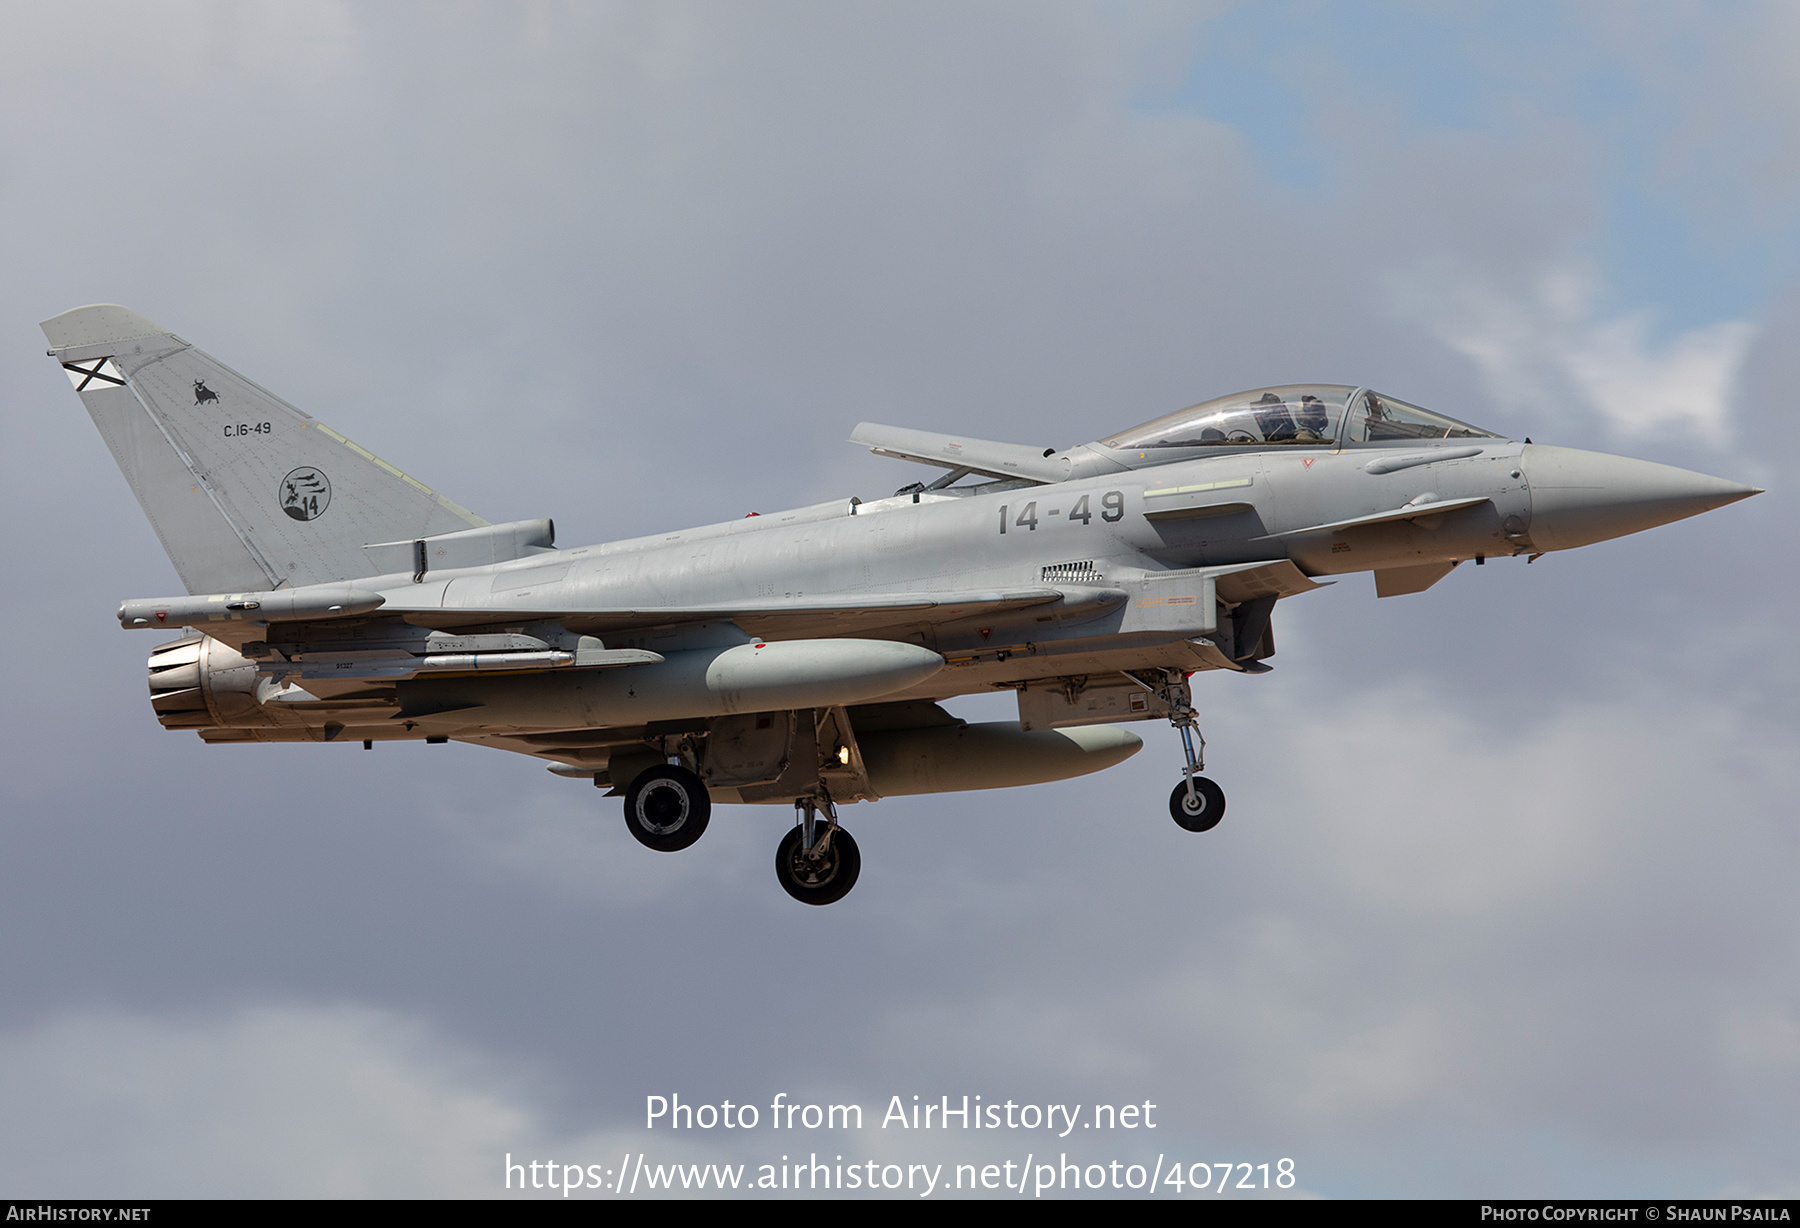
(1112,510)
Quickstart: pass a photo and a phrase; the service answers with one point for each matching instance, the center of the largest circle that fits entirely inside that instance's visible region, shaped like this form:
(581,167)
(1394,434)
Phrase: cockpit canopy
(1294,414)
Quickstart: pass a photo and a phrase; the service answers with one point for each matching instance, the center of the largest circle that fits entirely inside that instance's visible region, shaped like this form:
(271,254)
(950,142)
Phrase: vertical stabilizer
(245,491)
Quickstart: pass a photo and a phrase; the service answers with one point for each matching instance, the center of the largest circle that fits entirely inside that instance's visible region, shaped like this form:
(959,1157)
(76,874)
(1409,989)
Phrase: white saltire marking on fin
(94,373)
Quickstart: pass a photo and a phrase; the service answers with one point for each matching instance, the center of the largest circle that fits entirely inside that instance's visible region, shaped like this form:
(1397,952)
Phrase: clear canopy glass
(1378,418)
(1294,414)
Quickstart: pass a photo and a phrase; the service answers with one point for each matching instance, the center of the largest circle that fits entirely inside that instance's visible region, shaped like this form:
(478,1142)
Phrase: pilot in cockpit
(1313,419)
(1272,416)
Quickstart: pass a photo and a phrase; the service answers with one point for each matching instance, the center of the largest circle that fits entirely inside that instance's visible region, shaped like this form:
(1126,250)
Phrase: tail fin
(245,491)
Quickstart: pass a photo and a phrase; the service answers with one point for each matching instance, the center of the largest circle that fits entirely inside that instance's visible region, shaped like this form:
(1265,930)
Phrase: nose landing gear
(817,863)
(1197,804)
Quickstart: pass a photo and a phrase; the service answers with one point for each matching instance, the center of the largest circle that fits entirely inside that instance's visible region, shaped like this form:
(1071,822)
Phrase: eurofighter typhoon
(799,658)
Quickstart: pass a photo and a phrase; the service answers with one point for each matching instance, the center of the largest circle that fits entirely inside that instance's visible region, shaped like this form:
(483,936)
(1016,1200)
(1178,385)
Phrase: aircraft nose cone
(1578,498)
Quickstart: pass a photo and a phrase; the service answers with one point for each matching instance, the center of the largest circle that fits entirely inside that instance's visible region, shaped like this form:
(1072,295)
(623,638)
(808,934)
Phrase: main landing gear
(1197,804)
(667,808)
(817,862)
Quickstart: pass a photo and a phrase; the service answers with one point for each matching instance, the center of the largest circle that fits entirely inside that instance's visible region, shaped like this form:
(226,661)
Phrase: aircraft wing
(342,648)
(958,452)
(795,618)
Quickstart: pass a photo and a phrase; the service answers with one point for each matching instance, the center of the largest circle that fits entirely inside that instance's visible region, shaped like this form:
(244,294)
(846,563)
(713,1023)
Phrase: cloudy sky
(1504,901)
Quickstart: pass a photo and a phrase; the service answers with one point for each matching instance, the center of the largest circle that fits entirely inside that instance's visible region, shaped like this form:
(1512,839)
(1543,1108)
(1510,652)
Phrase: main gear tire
(667,808)
(1203,811)
(824,879)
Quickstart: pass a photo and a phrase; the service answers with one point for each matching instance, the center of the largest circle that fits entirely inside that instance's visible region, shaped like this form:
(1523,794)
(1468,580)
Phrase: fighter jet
(800,658)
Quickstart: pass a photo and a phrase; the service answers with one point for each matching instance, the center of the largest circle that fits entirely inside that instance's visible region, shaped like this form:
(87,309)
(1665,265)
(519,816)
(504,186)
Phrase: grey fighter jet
(800,658)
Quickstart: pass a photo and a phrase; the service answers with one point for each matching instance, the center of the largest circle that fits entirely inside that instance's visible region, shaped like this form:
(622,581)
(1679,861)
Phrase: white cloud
(1543,350)
(1641,387)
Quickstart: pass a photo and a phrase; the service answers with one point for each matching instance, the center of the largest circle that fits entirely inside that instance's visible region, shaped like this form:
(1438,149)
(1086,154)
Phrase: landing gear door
(1056,702)
(753,748)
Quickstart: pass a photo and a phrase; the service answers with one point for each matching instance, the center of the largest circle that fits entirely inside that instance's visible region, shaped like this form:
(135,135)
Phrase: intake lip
(1579,497)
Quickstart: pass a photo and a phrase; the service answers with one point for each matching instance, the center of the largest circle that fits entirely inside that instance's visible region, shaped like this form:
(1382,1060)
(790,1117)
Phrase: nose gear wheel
(1197,804)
